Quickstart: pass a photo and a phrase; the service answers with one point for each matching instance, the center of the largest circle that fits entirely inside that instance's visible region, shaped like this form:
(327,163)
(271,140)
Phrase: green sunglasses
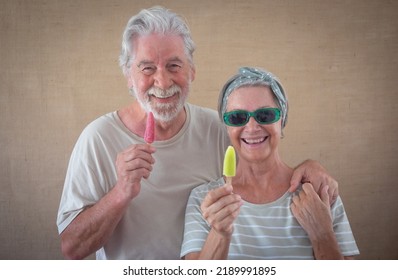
(262,116)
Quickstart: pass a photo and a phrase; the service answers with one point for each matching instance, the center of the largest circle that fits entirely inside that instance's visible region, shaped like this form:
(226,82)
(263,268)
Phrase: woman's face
(254,142)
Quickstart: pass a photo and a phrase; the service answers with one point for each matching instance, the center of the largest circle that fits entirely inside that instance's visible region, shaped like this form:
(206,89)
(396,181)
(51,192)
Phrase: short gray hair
(153,20)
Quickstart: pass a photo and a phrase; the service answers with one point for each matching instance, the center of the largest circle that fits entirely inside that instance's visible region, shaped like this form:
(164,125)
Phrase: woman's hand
(220,209)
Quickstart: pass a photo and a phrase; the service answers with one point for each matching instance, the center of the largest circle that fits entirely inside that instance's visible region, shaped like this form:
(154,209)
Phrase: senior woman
(256,217)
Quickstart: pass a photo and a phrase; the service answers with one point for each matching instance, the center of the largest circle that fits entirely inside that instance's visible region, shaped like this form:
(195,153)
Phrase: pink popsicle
(149,136)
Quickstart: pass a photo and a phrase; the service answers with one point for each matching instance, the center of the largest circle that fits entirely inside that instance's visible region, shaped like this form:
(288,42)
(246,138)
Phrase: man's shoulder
(205,123)
(101,123)
(205,118)
(101,127)
(104,119)
(203,111)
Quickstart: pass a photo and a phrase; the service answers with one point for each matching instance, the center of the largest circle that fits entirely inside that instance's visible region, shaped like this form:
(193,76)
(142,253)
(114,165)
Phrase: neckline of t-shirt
(157,143)
(286,195)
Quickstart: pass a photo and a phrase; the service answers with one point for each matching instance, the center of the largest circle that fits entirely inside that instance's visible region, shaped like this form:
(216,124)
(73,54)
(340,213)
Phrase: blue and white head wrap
(248,76)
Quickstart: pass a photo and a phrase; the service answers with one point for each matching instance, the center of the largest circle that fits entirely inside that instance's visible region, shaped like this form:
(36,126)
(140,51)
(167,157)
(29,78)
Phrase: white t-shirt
(152,226)
(263,231)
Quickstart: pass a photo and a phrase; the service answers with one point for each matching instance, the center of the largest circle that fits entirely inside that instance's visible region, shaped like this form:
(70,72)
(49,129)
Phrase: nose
(252,124)
(163,79)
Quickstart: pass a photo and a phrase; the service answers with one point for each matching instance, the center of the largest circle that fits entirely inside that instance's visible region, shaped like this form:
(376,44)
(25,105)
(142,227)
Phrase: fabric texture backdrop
(336,59)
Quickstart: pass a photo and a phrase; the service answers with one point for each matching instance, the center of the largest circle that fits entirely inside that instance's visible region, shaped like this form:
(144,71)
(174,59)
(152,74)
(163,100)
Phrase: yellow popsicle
(229,169)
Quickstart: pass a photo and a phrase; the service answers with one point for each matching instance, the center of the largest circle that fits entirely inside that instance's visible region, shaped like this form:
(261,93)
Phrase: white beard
(165,112)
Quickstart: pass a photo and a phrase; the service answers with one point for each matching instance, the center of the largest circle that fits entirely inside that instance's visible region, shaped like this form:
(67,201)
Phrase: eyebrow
(150,62)
(145,62)
(175,59)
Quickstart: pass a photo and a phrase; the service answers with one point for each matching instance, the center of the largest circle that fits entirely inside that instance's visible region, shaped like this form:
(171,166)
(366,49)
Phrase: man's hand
(132,165)
(312,211)
(310,171)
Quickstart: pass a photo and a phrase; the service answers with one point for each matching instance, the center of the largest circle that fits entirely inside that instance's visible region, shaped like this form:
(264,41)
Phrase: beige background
(337,59)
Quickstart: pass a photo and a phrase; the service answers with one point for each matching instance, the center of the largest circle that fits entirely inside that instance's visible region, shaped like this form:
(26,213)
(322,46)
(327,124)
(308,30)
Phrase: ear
(193,72)
(130,82)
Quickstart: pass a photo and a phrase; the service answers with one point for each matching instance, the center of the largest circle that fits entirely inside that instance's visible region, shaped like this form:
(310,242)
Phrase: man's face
(160,74)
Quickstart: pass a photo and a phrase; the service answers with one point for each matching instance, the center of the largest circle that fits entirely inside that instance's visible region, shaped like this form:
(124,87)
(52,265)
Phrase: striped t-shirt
(263,231)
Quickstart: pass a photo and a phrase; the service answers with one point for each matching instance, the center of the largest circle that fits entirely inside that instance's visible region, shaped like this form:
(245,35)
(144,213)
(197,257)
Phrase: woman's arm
(216,247)
(220,209)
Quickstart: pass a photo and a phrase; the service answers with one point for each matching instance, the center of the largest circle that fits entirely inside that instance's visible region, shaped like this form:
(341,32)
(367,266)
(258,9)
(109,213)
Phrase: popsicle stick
(228,180)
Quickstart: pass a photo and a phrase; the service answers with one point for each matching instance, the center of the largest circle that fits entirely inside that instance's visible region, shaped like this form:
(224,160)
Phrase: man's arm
(313,214)
(92,228)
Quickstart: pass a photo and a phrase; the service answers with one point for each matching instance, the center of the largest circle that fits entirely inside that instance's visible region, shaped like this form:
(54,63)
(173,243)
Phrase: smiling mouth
(254,141)
(165,99)
(164,96)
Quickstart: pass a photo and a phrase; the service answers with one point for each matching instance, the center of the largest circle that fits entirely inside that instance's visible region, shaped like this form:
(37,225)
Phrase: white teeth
(162,96)
(254,141)
(159,93)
